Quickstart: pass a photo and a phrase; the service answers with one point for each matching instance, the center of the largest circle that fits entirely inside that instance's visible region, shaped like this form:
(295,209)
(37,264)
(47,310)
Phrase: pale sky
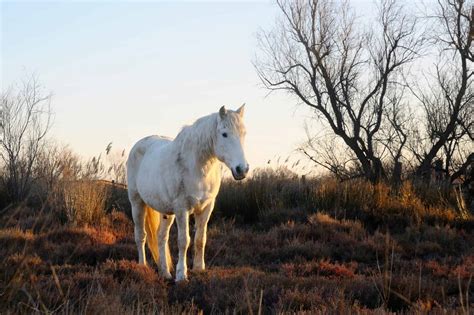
(120,71)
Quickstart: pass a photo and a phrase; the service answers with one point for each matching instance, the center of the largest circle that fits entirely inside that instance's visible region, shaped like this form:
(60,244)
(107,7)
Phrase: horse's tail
(152,224)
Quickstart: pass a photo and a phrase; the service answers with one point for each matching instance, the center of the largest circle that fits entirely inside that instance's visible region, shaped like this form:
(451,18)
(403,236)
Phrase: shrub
(82,202)
(268,190)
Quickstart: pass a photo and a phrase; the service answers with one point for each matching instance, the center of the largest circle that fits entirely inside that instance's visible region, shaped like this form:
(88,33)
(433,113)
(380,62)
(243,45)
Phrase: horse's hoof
(167,276)
(181,280)
(170,281)
(184,280)
(198,268)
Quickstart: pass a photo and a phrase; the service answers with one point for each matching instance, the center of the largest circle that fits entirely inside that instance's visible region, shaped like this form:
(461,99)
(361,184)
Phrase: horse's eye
(224,134)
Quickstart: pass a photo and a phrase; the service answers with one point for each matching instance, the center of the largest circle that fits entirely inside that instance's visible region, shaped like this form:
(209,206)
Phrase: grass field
(276,244)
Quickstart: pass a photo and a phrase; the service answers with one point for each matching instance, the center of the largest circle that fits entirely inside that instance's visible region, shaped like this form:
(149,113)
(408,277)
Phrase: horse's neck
(202,168)
(196,146)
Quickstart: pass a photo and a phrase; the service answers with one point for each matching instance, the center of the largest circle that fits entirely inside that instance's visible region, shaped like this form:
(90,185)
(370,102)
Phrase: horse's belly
(160,205)
(157,188)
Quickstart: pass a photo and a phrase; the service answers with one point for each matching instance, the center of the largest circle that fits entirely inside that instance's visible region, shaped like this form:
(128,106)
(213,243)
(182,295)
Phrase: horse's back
(136,155)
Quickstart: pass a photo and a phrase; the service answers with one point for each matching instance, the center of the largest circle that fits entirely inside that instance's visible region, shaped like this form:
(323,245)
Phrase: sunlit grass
(276,244)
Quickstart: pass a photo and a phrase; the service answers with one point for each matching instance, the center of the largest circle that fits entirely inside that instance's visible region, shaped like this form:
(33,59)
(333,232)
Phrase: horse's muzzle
(240,172)
(238,177)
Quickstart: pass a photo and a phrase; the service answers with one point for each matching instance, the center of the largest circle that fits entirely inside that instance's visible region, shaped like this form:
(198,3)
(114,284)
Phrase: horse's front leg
(200,236)
(182,219)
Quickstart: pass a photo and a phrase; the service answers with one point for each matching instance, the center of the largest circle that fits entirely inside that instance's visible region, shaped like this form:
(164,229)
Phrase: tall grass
(83,202)
(268,189)
(305,246)
(75,189)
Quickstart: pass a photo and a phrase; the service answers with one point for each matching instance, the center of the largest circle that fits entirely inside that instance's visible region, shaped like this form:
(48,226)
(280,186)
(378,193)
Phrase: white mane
(198,137)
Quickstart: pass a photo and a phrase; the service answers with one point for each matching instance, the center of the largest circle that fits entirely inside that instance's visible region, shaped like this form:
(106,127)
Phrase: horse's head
(229,146)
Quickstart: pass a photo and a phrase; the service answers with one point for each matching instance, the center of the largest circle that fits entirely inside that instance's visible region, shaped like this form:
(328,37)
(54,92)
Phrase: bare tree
(54,165)
(345,73)
(25,119)
(447,97)
(327,150)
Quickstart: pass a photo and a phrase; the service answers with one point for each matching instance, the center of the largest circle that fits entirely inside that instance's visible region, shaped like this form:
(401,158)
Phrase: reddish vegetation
(296,259)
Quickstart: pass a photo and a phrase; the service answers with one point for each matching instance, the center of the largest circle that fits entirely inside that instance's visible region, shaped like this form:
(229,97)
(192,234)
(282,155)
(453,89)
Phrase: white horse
(175,178)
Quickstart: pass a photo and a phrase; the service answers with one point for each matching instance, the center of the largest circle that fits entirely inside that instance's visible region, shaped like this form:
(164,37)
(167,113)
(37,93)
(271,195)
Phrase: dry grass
(376,205)
(317,246)
(82,201)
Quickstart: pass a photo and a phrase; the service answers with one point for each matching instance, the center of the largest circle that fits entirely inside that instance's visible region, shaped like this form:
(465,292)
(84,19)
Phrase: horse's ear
(241,109)
(222,112)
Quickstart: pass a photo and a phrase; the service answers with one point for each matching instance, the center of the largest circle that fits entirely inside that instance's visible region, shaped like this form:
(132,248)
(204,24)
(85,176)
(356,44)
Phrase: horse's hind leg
(138,214)
(163,247)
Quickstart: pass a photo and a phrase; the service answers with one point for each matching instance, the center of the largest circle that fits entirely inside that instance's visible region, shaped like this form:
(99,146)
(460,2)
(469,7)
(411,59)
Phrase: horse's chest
(198,194)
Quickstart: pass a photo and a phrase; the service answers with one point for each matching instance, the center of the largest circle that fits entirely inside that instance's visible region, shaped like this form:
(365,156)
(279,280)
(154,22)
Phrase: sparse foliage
(25,119)
(347,74)
(84,201)
(447,96)
(362,84)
